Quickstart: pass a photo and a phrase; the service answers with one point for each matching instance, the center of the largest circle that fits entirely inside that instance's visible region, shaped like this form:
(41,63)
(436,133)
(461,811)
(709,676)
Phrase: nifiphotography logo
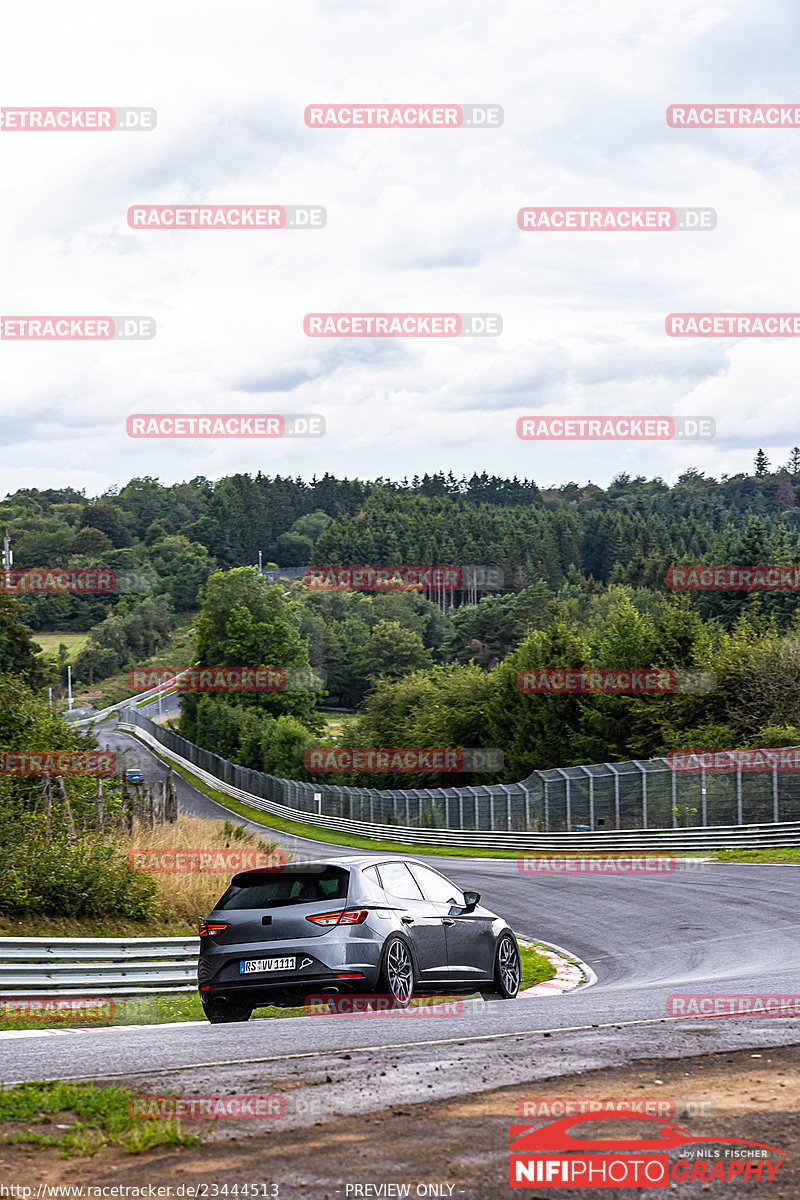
(552,1157)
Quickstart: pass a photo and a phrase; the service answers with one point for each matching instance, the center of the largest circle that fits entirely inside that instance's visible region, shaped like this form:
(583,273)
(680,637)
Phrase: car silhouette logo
(556,1136)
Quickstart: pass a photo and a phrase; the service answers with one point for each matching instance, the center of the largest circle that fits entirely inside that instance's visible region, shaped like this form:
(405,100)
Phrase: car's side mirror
(471,901)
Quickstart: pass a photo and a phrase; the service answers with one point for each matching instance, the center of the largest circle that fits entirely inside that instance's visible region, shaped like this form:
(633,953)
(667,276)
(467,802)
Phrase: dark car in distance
(391,926)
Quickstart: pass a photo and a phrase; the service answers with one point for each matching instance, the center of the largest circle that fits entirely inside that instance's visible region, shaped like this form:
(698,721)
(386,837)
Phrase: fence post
(71,830)
(775,792)
(99,801)
(644,792)
(674,801)
(704,796)
(615,773)
(739,820)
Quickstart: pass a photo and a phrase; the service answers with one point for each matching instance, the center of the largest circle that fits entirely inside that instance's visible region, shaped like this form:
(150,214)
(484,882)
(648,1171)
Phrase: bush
(91,879)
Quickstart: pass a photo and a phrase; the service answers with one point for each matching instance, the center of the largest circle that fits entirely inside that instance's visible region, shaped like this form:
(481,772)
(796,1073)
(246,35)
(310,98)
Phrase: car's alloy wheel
(222,1016)
(507,967)
(397,974)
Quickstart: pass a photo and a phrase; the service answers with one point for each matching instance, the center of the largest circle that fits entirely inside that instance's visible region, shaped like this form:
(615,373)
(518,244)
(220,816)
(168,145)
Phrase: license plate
(249,966)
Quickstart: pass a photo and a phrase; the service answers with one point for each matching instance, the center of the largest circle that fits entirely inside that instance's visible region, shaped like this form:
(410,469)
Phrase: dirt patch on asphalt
(459,1146)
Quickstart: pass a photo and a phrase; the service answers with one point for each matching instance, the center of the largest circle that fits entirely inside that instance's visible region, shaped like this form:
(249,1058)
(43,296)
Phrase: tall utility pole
(69,685)
(259,563)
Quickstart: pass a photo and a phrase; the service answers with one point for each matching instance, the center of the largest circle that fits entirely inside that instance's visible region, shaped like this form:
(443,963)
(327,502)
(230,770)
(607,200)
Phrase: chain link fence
(643,794)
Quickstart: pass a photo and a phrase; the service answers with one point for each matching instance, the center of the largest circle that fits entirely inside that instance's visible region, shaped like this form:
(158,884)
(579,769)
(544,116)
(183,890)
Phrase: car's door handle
(407,920)
(448,921)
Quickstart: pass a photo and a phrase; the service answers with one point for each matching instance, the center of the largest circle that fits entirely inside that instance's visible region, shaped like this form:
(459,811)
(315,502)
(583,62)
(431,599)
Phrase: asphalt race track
(717,928)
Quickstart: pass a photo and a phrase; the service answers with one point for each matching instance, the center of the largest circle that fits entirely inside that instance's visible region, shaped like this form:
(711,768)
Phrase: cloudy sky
(418,221)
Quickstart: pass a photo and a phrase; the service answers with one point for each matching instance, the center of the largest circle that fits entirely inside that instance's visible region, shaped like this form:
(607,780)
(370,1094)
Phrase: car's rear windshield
(275,889)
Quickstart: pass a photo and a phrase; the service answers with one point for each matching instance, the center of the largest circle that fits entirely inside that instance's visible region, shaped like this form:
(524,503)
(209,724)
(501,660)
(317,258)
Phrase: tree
(761,463)
(784,493)
(793,464)
(392,652)
(18,652)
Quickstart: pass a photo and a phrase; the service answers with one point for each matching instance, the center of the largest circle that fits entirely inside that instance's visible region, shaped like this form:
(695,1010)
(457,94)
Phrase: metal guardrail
(41,966)
(130,702)
(692,839)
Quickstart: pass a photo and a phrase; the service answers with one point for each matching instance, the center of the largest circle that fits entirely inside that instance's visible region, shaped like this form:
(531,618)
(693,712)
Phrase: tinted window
(275,889)
(397,880)
(436,887)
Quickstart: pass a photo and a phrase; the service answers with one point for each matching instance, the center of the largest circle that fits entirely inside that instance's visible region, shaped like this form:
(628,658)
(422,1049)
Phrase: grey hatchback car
(390,926)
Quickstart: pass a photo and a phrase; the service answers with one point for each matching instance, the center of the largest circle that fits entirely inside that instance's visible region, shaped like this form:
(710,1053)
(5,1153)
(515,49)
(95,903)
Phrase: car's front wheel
(397,972)
(222,1016)
(507,969)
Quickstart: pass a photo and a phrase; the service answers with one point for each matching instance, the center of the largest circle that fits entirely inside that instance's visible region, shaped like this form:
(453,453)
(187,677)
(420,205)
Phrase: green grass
(95,1116)
(336,723)
(535,967)
(50,642)
(775,854)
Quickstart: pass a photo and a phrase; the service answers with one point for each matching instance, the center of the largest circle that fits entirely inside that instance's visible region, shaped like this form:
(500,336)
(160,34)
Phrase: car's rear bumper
(346,965)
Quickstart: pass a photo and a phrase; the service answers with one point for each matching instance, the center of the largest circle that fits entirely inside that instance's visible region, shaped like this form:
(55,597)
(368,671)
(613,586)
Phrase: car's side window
(435,887)
(371,885)
(398,881)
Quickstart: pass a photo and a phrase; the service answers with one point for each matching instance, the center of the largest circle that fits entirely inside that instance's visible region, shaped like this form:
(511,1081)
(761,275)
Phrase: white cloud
(417,221)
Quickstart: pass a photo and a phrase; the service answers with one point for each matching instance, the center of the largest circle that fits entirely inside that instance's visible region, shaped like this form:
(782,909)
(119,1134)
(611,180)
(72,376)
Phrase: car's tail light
(211,928)
(350,916)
